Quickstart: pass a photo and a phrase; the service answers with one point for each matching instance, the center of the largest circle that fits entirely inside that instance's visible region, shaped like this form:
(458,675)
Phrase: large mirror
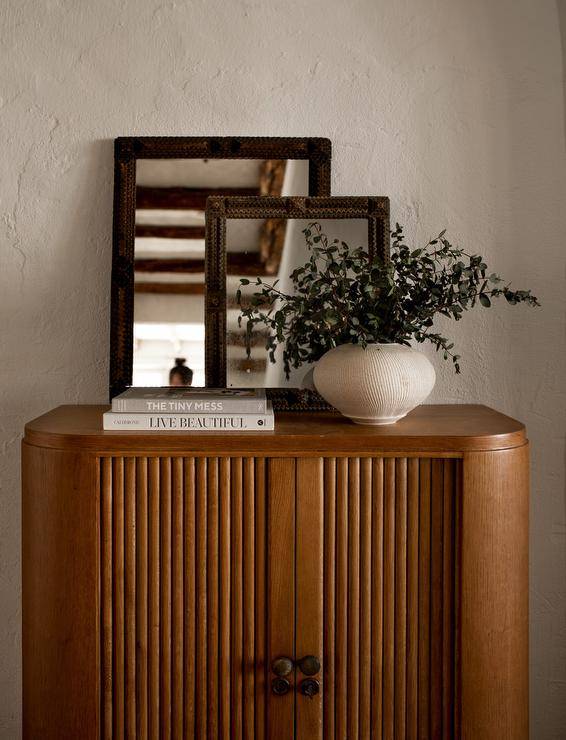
(265,239)
(158,289)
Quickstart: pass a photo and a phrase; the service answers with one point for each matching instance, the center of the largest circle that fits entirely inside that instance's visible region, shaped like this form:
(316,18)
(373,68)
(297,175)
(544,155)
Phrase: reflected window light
(157,345)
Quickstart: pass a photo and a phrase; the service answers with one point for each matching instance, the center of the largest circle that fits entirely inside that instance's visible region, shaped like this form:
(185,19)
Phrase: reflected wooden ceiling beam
(239,263)
(238,339)
(199,289)
(183,198)
(170,288)
(170,232)
(271,176)
(247,366)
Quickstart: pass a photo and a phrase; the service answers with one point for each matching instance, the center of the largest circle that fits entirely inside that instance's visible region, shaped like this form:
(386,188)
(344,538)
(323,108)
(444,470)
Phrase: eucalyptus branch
(341,296)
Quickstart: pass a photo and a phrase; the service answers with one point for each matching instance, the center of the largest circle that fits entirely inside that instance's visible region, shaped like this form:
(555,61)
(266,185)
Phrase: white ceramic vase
(376,385)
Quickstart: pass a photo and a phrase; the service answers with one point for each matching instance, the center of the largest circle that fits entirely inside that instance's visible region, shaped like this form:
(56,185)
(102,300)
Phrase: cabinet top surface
(455,429)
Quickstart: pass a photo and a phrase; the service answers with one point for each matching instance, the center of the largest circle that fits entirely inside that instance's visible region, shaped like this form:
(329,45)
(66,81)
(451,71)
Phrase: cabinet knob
(309,665)
(309,687)
(280,686)
(282,666)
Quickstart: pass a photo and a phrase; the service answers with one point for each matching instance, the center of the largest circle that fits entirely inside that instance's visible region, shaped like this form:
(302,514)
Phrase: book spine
(189,422)
(212,406)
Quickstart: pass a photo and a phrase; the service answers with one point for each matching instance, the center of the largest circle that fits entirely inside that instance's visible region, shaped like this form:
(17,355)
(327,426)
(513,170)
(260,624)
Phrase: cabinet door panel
(376,579)
(184,578)
(207,566)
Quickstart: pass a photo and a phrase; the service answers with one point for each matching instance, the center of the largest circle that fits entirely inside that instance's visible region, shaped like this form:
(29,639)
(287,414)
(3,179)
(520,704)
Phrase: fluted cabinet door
(186,593)
(376,565)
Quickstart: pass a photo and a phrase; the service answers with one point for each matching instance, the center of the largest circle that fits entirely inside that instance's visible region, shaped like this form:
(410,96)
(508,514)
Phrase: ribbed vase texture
(376,385)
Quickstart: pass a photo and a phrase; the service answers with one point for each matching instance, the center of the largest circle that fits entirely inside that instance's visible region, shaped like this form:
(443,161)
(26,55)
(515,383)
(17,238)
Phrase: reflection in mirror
(169,254)
(276,247)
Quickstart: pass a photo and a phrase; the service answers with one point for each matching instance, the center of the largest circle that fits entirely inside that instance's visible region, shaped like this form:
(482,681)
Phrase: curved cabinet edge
(492,664)
(449,430)
(60,614)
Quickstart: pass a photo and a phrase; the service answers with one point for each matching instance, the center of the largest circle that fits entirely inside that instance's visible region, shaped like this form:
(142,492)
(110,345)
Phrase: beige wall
(455,109)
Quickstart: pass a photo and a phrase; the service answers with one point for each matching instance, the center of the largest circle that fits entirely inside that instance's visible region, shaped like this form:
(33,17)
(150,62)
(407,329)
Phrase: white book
(176,400)
(113,420)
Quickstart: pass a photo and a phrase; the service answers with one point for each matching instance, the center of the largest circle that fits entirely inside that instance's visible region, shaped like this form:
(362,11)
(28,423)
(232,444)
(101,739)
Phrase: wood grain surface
(159,584)
(444,429)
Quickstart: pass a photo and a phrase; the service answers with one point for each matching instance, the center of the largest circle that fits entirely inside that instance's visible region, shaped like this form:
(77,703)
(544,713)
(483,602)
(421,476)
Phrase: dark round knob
(282,666)
(280,686)
(309,665)
(309,687)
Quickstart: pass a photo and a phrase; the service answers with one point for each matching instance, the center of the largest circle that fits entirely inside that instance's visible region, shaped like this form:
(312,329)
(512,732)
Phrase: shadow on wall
(561,5)
(459,156)
(490,153)
(476,154)
(61,328)
(87,245)
(68,314)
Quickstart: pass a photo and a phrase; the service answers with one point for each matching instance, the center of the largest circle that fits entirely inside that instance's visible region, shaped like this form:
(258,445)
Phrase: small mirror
(264,238)
(158,286)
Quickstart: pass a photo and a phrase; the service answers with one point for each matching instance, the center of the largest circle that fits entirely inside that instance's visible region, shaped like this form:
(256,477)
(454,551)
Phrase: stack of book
(191,409)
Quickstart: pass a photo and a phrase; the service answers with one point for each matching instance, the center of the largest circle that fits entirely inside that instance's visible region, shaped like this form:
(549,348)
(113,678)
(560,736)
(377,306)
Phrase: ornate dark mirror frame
(218,209)
(127,150)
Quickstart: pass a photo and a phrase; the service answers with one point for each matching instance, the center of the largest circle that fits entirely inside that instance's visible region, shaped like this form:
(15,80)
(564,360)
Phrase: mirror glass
(169,254)
(279,247)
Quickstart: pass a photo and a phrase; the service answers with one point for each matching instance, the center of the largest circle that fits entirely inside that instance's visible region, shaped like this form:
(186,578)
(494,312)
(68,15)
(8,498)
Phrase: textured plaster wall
(455,109)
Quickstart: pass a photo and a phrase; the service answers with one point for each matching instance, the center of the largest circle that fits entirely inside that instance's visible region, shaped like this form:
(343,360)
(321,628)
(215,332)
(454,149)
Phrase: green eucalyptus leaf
(339,295)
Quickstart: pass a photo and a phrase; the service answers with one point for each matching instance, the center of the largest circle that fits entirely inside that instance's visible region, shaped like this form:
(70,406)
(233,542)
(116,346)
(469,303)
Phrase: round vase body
(376,385)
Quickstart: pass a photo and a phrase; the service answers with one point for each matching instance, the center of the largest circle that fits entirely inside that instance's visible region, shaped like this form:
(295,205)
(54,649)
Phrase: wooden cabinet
(164,573)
